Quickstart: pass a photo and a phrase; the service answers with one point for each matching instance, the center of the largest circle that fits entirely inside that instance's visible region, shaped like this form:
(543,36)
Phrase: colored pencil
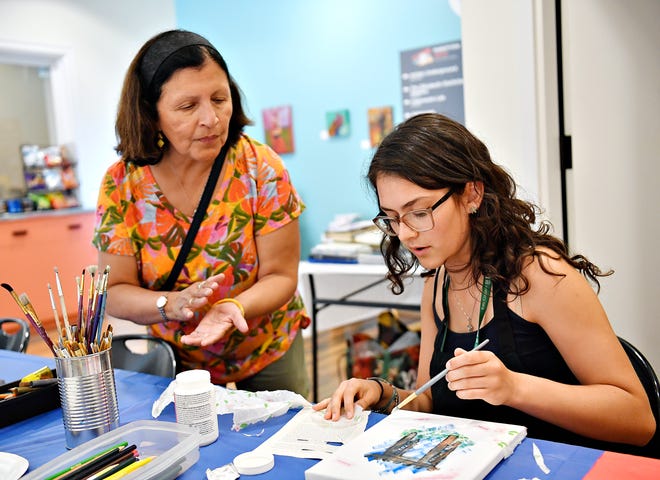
(98,463)
(86,460)
(112,469)
(131,468)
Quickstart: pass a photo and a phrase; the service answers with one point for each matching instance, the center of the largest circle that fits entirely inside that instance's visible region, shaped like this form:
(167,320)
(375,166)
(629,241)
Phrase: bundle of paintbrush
(85,337)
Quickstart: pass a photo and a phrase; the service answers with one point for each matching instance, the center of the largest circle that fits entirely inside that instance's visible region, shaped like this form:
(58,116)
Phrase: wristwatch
(160,304)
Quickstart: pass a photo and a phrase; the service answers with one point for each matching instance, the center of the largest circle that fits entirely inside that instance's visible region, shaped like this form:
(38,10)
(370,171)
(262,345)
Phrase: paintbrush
(106,339)
(13,294)
(90,299)
(433,381)
(57,317)
(96,305)
(31,315)
(102,295)
(80,283)
(28,310)
(67,326)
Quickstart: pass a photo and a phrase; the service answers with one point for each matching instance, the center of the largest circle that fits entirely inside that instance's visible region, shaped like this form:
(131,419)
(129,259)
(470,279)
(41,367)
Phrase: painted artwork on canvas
(278,126)
(338,123)
(413,445)
(419,449)
(380,124)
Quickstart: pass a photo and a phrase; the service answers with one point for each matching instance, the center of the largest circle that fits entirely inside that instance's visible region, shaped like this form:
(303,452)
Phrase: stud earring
(160,141)
(473,210)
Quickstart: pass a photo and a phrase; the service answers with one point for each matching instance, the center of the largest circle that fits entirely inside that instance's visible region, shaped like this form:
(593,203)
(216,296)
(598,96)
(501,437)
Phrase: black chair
(14,334)
(651,384)
(143,353)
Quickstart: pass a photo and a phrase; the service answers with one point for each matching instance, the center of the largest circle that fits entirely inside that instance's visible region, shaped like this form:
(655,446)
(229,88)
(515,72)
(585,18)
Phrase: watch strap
(161,309)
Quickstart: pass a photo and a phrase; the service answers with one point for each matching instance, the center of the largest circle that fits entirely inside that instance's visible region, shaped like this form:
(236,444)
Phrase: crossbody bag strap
(200,212)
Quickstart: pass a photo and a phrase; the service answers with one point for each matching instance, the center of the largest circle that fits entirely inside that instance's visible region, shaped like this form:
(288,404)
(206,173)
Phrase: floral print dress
(255,197)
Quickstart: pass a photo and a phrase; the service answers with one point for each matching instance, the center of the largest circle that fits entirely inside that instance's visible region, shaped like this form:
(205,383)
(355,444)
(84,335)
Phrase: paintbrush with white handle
(433,381)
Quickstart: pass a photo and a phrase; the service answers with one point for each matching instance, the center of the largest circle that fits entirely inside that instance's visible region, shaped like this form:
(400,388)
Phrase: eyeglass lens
(418,220)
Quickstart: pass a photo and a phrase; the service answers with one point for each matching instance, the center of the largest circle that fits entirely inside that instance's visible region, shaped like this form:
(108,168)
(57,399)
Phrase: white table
(361,290)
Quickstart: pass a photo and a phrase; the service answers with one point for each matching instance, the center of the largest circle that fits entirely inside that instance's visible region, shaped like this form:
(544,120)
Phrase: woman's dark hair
(137,116)
(435,152)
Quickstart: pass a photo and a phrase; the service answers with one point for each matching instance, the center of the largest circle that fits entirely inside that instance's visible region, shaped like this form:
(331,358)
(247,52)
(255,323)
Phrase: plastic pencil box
(176,448)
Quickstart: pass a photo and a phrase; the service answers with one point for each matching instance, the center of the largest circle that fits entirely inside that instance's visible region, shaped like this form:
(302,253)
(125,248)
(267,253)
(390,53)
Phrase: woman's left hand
(480,375)
(219,320)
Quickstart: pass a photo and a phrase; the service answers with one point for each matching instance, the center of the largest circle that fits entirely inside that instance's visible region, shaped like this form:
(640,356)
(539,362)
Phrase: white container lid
(193,378)
(254,463)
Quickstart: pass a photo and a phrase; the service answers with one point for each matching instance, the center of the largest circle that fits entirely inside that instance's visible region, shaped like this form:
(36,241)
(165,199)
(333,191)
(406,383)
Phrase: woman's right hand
(354,391)
(194,297)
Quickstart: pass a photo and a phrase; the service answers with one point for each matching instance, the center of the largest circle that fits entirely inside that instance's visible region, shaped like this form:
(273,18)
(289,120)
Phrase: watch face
(162,301)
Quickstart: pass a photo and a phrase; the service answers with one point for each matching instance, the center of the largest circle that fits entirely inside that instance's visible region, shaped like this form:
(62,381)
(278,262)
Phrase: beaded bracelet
(234,301)
(393,399)
(382,390)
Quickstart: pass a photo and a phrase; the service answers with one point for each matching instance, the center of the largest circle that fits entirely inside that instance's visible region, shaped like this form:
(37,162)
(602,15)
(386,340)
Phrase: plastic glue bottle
(194,404)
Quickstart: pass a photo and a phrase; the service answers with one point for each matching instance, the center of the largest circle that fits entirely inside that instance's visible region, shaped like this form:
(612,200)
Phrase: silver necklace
(470,326)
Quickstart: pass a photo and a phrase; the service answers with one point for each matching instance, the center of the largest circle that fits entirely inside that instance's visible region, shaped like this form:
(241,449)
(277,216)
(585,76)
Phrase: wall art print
(380,124)
(338,123)
(278,126)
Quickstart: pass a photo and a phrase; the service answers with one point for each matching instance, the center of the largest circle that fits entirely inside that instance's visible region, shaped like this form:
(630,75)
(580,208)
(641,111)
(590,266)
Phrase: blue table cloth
(41,438)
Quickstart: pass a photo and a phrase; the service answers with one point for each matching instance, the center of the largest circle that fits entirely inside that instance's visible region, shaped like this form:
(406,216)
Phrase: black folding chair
(14,334)
(651,384)
(143,353)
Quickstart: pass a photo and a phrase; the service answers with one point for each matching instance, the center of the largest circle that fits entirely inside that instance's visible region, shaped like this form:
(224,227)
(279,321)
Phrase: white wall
(612,79)
(611,57)
(100,38)
(499,85)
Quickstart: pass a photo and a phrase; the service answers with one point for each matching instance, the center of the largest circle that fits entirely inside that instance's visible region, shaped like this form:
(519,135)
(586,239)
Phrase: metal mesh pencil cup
(88,396)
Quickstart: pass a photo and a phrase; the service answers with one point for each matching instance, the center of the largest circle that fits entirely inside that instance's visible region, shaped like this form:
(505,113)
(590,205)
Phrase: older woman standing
(233,309)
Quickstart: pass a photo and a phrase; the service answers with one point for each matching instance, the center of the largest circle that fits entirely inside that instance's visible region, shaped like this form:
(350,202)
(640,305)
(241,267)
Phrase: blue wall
(320,56)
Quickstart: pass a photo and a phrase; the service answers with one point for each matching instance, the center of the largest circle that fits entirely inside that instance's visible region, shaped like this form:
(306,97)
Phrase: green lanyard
(483,305)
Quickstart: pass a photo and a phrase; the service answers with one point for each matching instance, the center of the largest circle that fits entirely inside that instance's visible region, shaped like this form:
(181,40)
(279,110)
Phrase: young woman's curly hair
(435,152)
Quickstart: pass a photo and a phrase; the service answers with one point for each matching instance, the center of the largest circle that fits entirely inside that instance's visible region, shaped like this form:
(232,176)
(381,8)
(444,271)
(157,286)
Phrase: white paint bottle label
(194,404)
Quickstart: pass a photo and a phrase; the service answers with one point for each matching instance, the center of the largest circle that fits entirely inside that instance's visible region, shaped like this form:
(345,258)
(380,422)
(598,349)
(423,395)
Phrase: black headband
(165,47)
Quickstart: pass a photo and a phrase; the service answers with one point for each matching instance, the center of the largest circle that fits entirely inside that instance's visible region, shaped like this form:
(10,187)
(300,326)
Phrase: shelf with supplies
(51,179)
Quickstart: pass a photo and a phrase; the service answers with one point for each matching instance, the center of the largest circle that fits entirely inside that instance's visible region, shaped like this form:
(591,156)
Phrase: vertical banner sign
(432,81)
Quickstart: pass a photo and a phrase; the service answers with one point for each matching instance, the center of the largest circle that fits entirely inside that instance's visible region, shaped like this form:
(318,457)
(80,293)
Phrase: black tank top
(523,347)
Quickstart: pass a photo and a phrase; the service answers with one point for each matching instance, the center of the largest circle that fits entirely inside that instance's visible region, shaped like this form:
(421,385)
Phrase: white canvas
(309,435)
(413,445)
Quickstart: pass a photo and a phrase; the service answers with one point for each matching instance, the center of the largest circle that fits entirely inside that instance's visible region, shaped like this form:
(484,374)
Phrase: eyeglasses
(418,220)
